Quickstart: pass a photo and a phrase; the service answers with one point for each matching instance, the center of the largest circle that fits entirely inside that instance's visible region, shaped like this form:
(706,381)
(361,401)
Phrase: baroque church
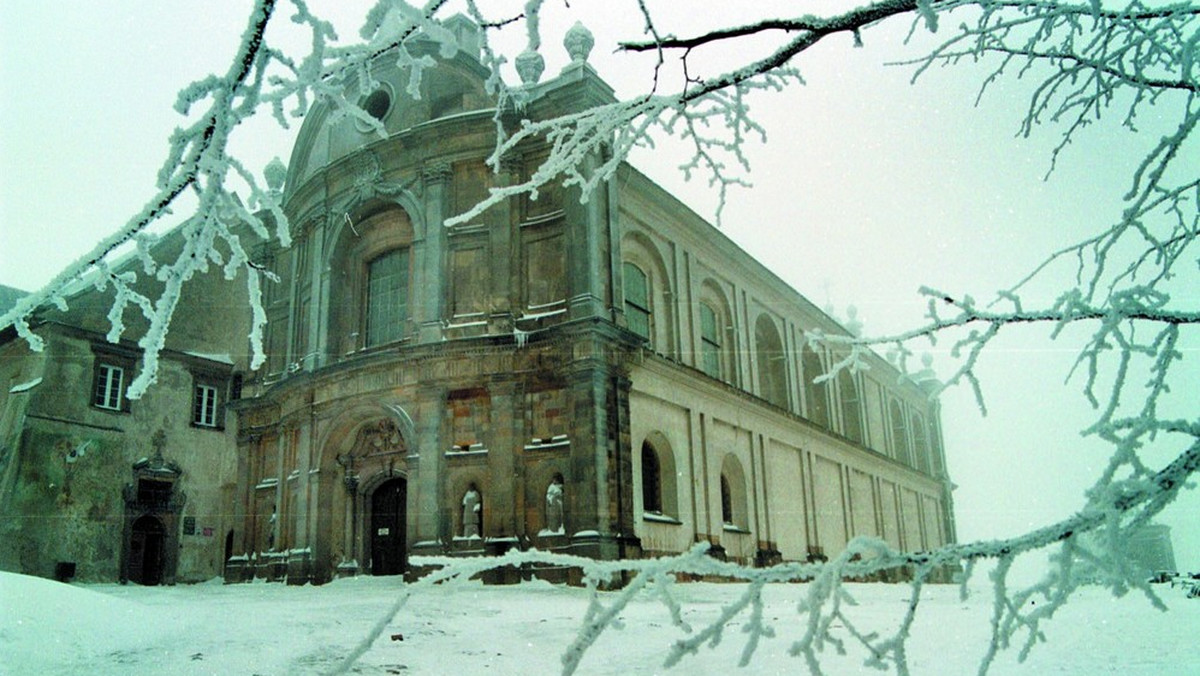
(609,377)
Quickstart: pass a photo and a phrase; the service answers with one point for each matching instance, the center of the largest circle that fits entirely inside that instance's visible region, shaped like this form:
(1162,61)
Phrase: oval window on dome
(377,104)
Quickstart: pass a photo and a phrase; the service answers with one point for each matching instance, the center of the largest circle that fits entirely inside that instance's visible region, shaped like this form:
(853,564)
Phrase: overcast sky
(867,188)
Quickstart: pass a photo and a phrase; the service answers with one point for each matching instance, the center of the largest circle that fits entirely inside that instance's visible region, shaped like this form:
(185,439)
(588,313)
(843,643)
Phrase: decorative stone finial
(530,65)
(579,43)
(275,173)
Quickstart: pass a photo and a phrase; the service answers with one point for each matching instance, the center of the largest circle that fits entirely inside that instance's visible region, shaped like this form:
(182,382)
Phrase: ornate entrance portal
(388,521)
(150,534)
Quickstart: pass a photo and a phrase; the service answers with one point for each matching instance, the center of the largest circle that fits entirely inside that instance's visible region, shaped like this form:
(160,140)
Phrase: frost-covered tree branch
(1084,62)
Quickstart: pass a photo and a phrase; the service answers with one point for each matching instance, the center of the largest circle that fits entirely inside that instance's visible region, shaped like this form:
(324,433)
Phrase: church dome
(452,87)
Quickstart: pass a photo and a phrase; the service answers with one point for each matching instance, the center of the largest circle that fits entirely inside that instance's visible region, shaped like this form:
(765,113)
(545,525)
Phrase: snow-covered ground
(467,628)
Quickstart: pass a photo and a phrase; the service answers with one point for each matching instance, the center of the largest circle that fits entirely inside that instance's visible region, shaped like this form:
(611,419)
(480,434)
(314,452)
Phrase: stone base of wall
(765,558)
(238,569)
(299,567)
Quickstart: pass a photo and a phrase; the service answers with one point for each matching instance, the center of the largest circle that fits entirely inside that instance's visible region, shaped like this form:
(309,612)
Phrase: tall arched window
(920,446)
(772,374)
(370,272)
(852,425)
(935,446)
(637,300)
(387,297)
(659,495)
(734,511)
(814,393)
(710,341)
(900,434)
(651,481)
(726,501)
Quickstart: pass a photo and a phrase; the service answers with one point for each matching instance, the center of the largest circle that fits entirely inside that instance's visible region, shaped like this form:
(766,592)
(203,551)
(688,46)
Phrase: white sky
(868,188)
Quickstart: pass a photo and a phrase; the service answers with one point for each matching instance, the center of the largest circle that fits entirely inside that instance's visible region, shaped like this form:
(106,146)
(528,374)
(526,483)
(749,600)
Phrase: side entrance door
(146,551)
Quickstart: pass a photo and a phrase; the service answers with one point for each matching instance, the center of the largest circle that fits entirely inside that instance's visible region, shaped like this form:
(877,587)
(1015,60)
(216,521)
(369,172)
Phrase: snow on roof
(221,358)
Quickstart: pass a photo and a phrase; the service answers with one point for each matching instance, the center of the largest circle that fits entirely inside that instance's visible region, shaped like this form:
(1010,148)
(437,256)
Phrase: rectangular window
(387,297)
(637,301)
(710,341)
(110,387)
(154,493)
(204,406)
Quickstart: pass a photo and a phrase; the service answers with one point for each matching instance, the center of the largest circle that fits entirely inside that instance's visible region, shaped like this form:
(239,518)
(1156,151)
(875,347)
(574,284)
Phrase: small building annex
(610,377)
(97,487)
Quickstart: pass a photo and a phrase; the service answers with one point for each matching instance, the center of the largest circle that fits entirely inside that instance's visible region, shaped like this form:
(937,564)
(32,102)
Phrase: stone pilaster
(432,529)
(585,257)
(431,291)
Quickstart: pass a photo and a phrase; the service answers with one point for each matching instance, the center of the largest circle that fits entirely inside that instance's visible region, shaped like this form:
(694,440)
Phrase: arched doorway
(388,520)
(146,551)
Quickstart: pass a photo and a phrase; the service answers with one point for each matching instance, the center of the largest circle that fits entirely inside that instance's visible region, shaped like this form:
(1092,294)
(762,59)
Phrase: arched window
(726,501)
(637,301)
(651,480)
(814,393)
(370,272)
(935,447)
(920,447)
(387,297)
(852,425)
(734,512)
(900,434)
(772,376)
(659,496)
(710,341)
(716,332)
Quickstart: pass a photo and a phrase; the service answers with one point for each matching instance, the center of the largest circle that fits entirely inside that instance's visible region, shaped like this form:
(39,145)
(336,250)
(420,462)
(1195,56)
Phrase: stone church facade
(609,377)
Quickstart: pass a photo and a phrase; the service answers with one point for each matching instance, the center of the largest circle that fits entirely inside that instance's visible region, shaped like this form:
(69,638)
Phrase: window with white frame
(205,406)
(110,387)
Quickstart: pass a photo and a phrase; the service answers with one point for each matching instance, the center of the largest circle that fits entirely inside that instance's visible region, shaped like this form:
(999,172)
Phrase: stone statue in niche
(554,506)
(271,529)
(472,506)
